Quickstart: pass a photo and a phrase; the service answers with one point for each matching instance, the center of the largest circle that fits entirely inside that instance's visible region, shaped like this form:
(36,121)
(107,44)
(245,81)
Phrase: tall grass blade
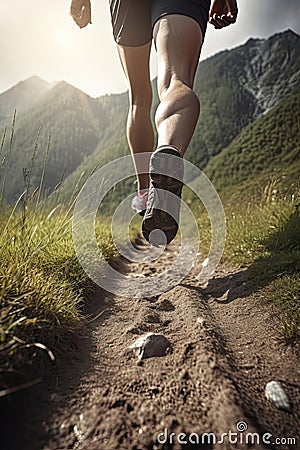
(20,387)
(43,171)
(7,157)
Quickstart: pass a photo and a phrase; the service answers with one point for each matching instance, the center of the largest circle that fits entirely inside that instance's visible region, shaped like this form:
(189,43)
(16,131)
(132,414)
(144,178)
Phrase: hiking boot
(160,223)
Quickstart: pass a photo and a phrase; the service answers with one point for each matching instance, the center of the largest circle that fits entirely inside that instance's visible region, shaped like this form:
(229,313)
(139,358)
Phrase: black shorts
(133,20)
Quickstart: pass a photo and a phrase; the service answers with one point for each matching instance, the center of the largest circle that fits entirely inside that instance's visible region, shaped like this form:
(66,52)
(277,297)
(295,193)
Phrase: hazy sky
(38,37)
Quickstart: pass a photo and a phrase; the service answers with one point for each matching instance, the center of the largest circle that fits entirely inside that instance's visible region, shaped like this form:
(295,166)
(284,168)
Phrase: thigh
(135,63)
(178,40)
(131,21)
(196,9)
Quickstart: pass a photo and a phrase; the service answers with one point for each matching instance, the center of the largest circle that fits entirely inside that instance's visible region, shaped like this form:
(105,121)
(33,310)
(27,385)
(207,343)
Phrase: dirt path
(224,351)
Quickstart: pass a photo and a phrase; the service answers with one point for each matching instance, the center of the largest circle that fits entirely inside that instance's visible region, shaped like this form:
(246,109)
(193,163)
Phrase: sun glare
(63,39)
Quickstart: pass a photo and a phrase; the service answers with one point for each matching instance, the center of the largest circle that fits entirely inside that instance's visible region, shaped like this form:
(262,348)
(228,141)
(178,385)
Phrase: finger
(80,21)
(233,9)
(232,17)
(86,15)
(89,15)
(222,21)
(76,7)
(75,14)
(213,22)
(81,17)
(232,5)
(216,21)
(226,20)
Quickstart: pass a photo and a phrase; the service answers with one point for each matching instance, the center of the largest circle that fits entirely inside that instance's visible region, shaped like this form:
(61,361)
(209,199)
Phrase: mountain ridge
(21,95)
(227,102)
(235,87)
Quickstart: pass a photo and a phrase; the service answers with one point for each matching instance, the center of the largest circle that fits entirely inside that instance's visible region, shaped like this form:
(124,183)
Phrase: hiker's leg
(135,62)
(178,40)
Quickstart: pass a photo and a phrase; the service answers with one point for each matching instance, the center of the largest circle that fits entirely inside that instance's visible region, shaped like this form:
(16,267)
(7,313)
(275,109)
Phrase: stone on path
(149,345)
(275,393)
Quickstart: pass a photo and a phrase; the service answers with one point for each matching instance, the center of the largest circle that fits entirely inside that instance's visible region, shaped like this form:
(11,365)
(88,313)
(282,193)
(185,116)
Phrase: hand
(81,12)
(223,13)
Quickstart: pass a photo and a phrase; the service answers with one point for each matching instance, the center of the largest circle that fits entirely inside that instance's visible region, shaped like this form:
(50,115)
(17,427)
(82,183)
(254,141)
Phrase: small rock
(205,262)
(247,366)
(150,345)
(78,433)
(224,296)
(200,320)
(275,393)
(64,430)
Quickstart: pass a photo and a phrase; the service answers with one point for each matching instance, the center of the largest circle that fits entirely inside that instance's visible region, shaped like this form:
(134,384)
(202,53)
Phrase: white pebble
(149,345)
(275,393)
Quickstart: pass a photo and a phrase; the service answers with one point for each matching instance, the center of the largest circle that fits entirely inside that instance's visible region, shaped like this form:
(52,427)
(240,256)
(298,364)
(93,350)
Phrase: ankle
(143,183)
(142,192)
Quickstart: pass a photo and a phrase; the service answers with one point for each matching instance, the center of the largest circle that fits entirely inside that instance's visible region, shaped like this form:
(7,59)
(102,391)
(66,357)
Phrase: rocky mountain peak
(270,71)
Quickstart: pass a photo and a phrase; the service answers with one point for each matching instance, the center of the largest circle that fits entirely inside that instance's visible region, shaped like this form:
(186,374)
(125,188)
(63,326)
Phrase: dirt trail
(224,351)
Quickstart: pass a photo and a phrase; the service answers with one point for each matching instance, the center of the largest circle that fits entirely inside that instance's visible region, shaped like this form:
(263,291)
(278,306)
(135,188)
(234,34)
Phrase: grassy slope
(264,236)
(269,146)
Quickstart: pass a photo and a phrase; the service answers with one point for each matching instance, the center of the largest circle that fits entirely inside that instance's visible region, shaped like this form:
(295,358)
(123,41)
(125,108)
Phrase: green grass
(284,293)
(265,236)
(43,288)
(42,284)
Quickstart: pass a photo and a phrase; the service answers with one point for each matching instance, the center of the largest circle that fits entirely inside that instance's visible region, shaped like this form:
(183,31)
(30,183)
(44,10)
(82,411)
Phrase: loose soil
(225,347)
